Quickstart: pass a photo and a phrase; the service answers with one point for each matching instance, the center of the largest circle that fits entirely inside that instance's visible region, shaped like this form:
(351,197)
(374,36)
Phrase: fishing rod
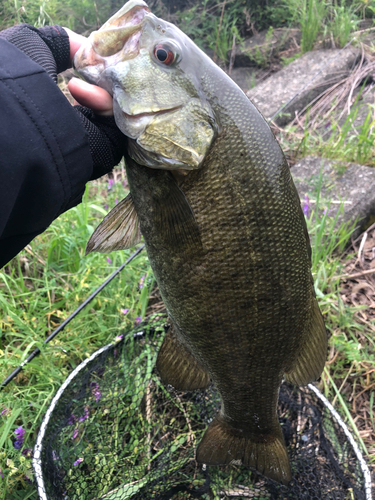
(69,319)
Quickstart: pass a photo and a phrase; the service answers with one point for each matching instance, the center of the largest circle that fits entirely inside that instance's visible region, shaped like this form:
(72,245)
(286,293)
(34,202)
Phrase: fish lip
(151,113)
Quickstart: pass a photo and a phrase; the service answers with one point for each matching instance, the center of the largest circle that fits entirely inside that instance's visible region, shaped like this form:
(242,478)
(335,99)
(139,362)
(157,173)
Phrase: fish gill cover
(115,432)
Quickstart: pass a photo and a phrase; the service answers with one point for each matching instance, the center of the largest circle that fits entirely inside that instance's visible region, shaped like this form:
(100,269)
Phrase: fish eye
(164,54)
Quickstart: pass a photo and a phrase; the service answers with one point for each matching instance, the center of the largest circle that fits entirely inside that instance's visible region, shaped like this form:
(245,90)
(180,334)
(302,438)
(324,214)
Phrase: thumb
(91,96)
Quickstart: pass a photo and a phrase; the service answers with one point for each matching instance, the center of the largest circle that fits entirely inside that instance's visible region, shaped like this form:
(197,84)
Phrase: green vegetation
(38,290)
(349,139)
(211,23)
(47,281)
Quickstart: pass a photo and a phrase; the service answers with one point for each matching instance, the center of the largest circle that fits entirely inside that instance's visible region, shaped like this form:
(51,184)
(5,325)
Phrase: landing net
(115,432)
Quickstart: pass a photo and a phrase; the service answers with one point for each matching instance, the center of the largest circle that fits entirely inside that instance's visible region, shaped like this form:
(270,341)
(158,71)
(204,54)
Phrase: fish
(212,195)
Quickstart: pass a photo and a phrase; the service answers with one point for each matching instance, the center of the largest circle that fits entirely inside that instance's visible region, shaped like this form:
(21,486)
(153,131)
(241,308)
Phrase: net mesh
(115,432)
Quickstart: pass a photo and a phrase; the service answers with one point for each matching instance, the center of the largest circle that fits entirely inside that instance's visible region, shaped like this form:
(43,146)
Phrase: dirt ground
(358,289)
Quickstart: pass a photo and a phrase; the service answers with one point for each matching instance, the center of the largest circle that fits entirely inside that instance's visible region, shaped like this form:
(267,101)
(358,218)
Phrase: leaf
(125,491)
(10,420)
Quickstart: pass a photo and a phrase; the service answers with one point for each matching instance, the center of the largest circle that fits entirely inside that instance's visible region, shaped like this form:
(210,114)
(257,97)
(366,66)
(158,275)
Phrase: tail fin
(222,444)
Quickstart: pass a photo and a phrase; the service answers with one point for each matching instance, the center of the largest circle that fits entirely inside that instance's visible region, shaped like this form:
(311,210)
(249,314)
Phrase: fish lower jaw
(133,125)
(149,114)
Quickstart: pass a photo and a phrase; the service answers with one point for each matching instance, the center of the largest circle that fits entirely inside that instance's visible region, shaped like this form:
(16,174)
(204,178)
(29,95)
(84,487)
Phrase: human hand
(53,48)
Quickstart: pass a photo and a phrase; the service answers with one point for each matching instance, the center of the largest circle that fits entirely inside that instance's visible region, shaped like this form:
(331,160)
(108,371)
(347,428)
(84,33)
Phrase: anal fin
(313,355)
(223,444)
(178,367)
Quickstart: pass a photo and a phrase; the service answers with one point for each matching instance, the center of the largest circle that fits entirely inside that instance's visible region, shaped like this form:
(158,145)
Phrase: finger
(91,96)
(75,41)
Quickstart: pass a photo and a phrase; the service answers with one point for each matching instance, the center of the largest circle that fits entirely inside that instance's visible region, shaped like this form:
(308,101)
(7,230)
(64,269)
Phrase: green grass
(351,140)
(37,292)
(49,280)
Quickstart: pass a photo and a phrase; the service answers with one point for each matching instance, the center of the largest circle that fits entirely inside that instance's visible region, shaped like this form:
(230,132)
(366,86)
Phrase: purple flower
(20,432)
(110,183)
(119,337)
(28,480)
(5,412)
(141,283)
(72,420)
(109,260)
(20,435)
(124,311)
(1,474)
(95,391)
(137,321)
(306,206)
(27,452)
(106,207)
(86,414)
(116,201)
(75,433)
(80,460)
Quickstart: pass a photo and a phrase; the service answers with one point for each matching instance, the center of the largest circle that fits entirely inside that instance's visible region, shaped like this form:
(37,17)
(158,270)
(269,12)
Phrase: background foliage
(51,277)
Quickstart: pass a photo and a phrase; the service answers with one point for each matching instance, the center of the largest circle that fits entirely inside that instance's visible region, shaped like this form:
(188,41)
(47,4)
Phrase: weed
(343,23)
(38,290)
(352,141)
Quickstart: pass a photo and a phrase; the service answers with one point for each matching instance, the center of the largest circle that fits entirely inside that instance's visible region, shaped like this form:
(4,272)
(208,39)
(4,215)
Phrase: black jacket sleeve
(43,169)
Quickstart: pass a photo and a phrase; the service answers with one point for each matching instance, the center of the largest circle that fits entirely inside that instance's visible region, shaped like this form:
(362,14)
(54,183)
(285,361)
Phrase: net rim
(37,462)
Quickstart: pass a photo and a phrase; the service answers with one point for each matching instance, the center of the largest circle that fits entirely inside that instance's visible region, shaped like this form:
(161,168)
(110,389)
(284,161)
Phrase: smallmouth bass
(212,195)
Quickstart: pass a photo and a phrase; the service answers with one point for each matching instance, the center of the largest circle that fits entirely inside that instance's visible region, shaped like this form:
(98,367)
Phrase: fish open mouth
(117,33)
(134,124)
(145,114)
(117,40)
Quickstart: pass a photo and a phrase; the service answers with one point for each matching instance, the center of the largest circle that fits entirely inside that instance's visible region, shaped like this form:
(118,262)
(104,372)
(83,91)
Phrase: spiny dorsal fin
(178,367)
(118,230)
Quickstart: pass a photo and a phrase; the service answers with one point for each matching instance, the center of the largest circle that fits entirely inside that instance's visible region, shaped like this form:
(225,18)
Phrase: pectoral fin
(173,215)
(118,230)
(313,355)
(178,367)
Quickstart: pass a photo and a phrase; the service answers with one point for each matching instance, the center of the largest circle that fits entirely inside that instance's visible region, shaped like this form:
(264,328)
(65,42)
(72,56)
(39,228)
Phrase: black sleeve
(43,169)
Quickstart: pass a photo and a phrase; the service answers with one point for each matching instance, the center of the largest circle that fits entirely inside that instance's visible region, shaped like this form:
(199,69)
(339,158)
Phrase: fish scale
(212,194)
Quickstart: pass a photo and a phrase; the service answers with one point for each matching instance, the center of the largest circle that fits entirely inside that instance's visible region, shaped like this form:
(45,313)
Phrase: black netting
(117,433)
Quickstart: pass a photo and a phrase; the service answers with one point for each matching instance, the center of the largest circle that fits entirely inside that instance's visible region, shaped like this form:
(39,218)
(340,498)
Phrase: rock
(246,78)
(353,184)
(257,50)
(274,92)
